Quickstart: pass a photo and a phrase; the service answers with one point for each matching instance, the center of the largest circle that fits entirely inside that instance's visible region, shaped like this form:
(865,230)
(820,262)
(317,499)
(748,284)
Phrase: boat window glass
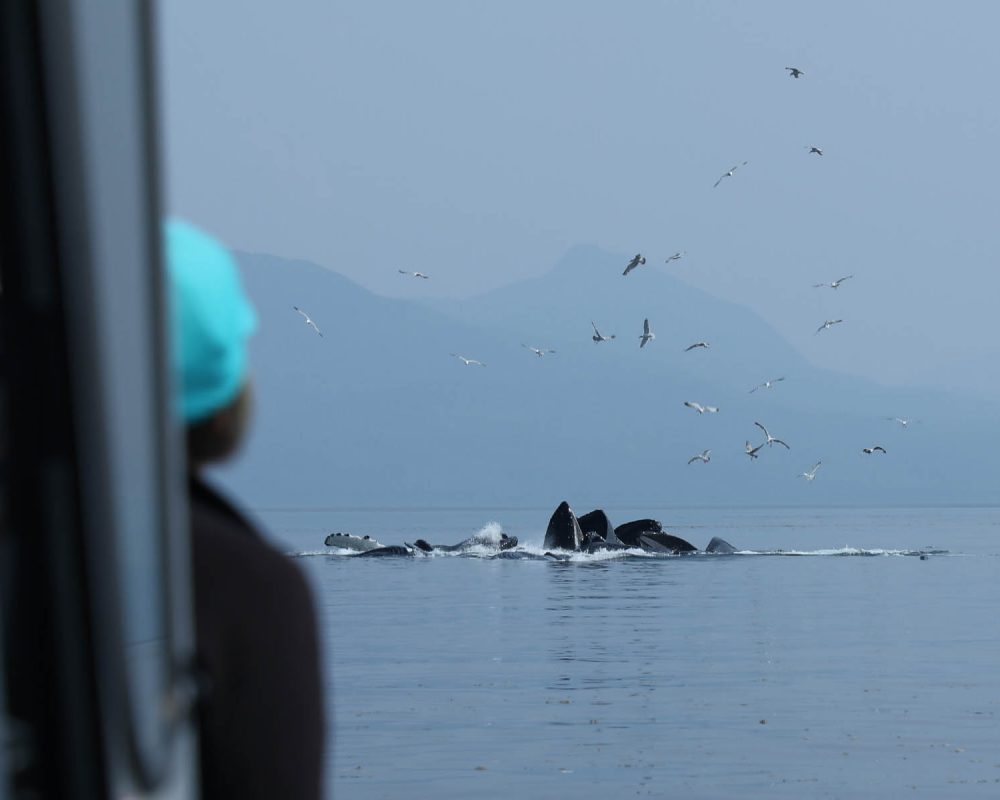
(124,240)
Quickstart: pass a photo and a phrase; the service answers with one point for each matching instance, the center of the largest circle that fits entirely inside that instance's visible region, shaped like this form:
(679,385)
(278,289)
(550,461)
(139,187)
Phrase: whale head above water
(564,530)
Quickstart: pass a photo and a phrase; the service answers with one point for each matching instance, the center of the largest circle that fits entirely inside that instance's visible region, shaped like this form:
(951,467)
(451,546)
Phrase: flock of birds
(647,336)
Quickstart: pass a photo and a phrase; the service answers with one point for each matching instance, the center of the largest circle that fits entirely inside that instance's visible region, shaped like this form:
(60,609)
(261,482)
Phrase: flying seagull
(647,335)
(751,450)
(903,422)
(700,408)
(766,384)
(828,324)
(771,439)
(814,149)
(703,345)
(876,449)
(833,284)
(597,337)
(537,350)
(811,474)
(414,274)
(637,261)
(794,72)
(730,172)
(469,362)
(308,320)
(676,256)
(705,456)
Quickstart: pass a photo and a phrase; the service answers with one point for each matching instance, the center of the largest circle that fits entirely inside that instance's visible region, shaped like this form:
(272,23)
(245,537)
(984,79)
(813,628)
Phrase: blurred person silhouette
(261,710)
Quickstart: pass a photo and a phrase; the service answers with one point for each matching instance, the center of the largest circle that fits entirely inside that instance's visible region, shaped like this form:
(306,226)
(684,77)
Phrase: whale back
(563,531)
(386,550)
(505,542)
(718,545)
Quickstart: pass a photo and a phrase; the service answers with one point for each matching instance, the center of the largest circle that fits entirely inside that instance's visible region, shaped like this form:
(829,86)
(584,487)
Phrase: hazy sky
(478,141)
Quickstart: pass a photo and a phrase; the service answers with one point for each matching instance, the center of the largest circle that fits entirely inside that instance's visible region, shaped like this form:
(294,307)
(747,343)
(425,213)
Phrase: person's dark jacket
(261,713)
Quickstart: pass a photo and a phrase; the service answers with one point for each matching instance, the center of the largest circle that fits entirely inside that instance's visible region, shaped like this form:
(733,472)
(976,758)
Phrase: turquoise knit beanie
(211,320)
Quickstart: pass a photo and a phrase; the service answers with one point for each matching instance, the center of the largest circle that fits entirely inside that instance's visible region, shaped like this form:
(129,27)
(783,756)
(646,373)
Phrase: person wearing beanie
(261,706)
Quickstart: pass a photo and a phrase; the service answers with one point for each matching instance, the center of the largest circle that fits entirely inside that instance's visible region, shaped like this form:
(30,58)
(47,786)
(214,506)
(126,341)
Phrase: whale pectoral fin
(650,545)
(718,545)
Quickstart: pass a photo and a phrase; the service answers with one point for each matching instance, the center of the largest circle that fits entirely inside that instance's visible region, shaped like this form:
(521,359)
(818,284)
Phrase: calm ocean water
(831,674)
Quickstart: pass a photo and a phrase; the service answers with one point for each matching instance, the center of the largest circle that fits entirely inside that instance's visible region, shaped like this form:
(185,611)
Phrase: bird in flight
(308,319)
(814,149)
(832,284)
(811,474)
(771,439)
(903,422)
(700,408)
(696,345)
(766,384)
(730,172)
(876,449)
(414,274)
(597,337)
(647,335)
(794,72)
(637,261)
(469,362)
(705,456)
(676,256)
(538,351)
(828,324)
(751,450)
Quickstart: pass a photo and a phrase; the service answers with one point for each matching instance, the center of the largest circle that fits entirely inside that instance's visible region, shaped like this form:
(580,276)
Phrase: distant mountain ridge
(377,413)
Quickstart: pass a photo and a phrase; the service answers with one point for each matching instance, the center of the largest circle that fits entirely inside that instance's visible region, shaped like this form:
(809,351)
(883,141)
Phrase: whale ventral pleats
(563,531)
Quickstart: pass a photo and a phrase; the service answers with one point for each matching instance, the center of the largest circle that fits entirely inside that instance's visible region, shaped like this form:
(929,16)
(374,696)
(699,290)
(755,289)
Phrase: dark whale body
(505,543)
(365,545)
(718,545)
(563,531)
(349,541)
(397,550)
(594,532)
(598,531)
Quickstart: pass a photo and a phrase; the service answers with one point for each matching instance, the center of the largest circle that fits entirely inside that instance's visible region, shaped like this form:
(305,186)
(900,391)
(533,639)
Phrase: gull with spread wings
(637,261)
(308,319)
(729,172)
(832,284)
(811,474)
(469,362)
(647,335)
(771,439)
(598,337)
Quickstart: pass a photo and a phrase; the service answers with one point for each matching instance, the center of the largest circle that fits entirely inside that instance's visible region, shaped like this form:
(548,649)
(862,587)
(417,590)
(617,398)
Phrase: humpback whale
(349,541)
(649,535)
(504,543)
(594,531)
(397,550)
(590,533)
(563,531)
(597,530)
(365,545)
